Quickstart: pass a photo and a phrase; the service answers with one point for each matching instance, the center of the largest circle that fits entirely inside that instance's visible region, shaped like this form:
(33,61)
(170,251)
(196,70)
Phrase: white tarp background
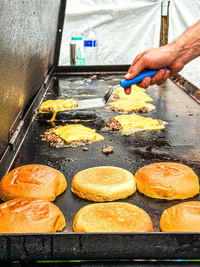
(123,28)
(182,14)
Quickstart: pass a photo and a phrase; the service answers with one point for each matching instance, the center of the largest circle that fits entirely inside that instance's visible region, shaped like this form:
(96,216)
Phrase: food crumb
(108,150)
(85,148)
(88,80)
(94,77)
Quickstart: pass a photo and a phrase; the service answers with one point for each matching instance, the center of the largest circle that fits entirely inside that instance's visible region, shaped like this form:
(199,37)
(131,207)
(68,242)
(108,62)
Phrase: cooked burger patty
(114,124)
(71,136)
(56,141)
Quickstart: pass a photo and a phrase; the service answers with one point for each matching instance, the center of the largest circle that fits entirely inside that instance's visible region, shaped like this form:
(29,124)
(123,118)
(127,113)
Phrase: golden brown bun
(184,217)
(167,180)
(112,217)
(105,183)
(30,215)
(33,180)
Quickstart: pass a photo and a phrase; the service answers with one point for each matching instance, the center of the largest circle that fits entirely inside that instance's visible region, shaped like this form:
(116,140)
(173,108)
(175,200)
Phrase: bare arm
(174,56)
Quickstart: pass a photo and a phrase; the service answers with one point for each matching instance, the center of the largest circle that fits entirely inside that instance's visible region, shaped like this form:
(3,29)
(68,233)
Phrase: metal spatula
(101,102)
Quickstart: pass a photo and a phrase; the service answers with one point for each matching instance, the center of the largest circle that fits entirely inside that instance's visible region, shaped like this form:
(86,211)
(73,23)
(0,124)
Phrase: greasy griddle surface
(180,142)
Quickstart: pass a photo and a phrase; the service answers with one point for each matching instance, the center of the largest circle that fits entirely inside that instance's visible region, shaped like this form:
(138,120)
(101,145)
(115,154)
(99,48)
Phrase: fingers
(136,67)
(145,82)
(160,77)
(127,90)
(167,74)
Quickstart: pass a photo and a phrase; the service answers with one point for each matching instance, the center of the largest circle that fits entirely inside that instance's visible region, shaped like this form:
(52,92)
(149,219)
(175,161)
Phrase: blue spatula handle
(149,73)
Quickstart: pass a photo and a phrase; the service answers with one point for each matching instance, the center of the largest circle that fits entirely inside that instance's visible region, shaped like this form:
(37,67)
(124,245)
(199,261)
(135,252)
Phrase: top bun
(112,217)
(167,180)
(30,215)
(38,181)
(105,183)
(184,217)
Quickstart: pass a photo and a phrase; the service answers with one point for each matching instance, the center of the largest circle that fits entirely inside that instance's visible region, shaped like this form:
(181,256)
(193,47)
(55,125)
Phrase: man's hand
(155,58)
(174,56)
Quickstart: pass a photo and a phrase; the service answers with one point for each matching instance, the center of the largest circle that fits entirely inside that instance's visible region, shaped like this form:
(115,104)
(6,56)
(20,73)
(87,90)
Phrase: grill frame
(63,246)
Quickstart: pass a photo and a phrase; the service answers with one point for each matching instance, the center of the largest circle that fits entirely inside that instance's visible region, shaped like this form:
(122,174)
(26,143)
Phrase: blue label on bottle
(90,43)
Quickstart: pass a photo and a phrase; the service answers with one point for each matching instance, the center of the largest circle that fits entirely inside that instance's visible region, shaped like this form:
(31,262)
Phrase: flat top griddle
(179,142)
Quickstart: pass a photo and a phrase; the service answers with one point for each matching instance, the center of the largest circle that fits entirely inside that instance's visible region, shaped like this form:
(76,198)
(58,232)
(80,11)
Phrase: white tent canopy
(123,28)
(126,28)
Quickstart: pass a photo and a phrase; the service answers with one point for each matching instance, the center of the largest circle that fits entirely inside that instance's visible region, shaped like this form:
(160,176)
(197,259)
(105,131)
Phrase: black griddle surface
(180,142)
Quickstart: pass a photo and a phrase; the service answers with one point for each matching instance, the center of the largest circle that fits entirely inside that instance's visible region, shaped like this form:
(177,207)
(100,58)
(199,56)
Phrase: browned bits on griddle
(108,150)
(85,148)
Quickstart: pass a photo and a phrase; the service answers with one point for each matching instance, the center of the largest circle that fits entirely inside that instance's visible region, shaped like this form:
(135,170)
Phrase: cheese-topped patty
(132,123)
(126,105)
(57,105)
(137,93)
(75,134)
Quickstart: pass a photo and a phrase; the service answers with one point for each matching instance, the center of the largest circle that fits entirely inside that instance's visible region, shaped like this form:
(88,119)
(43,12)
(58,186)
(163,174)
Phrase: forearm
(187,46)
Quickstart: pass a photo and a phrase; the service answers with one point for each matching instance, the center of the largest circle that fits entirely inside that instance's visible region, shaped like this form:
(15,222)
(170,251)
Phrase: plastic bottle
(91,48)
(77,45)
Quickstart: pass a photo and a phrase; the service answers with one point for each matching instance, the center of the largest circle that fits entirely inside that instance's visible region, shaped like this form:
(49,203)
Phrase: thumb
(135,69)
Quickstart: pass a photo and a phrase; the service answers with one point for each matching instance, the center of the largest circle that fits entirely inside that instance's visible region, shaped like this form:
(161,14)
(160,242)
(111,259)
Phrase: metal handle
(149,73)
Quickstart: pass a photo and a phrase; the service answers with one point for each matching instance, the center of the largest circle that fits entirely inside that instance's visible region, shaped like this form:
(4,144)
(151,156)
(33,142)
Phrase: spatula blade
(108,95)
(90,103)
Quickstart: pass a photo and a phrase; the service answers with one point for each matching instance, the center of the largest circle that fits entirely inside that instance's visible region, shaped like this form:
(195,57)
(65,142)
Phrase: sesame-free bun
(30,215)
(167,180)
(105,183)
(33,180)
(184,217)
(112,217)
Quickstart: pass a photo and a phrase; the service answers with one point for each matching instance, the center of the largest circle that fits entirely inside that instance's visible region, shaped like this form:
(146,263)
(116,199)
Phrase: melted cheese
(126,105)
(133,122)
(53,117)
(77,132)
(58,105)
(137,93)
